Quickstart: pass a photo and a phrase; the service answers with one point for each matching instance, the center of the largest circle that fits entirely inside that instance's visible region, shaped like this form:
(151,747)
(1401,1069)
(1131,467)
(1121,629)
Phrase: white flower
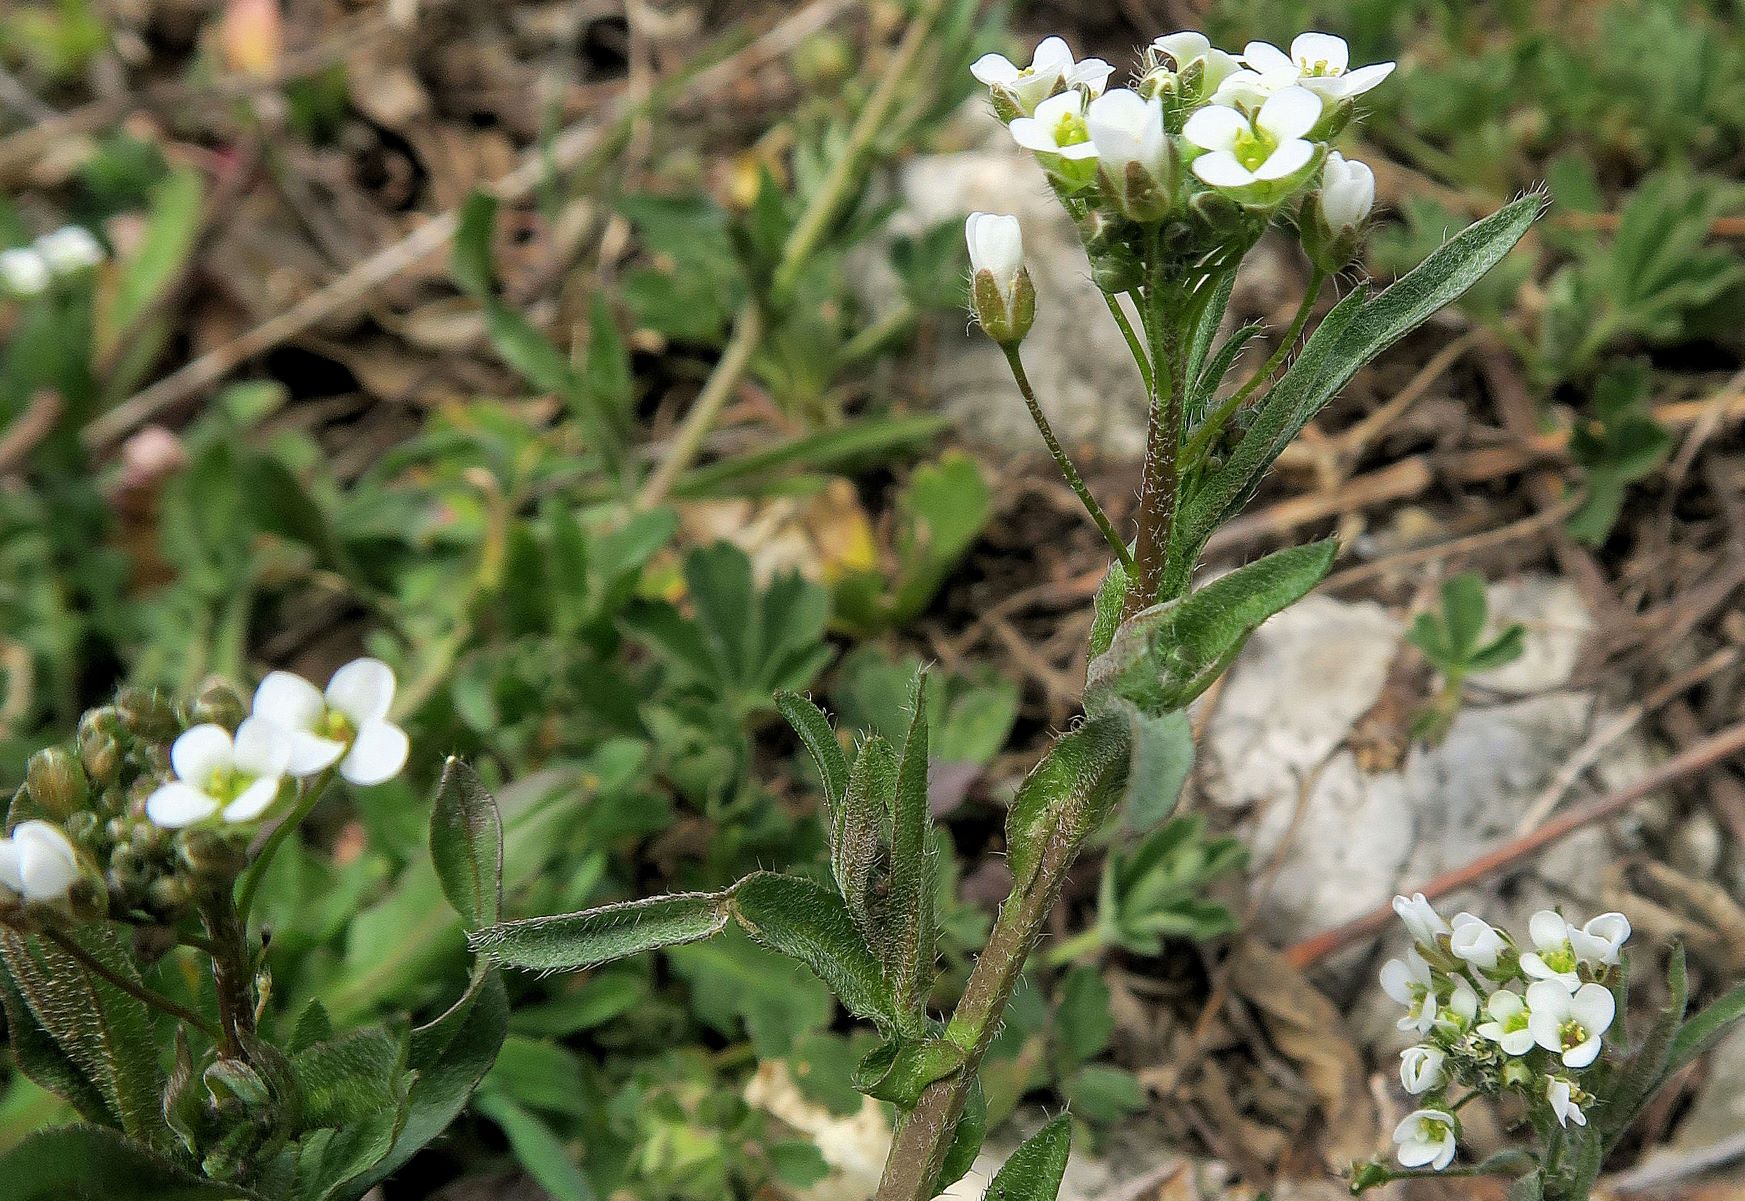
(1269,148)
(1052,69)
(1185,49)
(69,250)
(217,773)
(1133,151)
(1563,1096)
(1570,1024)
(38,862)
(1554,957)
(1473,939)
(1423,1068)
(1421,918)
(1426,1138)
(1409,982)
(348,724)
(1600,942)
(1458,1012)
(1319,62)
(1059,127)
(24,272)
(1347,195)
(1000,289)
(1510,1024)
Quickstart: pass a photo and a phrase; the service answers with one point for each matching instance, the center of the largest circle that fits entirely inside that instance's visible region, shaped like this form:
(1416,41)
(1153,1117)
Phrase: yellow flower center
(1071,130)
(1571,1034)
(335,725)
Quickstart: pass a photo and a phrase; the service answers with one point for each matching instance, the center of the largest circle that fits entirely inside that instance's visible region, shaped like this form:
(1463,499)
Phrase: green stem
(1133,343)
(150,997)
(1218,417)
(251,880)
(232,972)
(1157,493)
(1073,479)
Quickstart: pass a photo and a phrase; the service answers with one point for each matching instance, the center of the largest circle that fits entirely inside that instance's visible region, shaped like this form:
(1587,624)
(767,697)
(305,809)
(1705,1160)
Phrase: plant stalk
(1073,479)
(1157,493)
(232,973)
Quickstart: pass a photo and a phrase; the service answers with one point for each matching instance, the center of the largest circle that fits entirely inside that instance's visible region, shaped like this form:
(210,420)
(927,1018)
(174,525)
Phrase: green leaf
(966,1140)
(93,1162)
(1162,759)
(819,737)
(347,1079)
(43,1061)
(1702,1032)
(1075,785)
(1646,1068)
(1036,1168)
(1106,613)
(1101,1092)
(567,942)
(860,857)
(805,921)
(106,1032)
(1165,656)
(900,1069)
(914,944)
(1464,610)
(538,1149)
(466,845)
(1083,1022)
(739,988)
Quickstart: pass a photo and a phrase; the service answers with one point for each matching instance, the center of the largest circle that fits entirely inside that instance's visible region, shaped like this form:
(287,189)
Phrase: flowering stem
(231,972)
(1073,479)
(1157,493)
(1228,408)
(251,880)
(1133,342)
(150,997)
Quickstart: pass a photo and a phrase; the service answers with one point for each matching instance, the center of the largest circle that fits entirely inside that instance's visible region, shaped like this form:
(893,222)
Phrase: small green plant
(1453,641)
(1617,444)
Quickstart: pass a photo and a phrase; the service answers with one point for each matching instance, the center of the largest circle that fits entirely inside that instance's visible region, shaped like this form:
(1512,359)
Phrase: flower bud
(216,854)
(1137,161)
(56,782)
(99,745)
(38,862)
(232,1080)
(1004,299)
(219,704)
(147,714)
(70,250)
(24,272)
(1334,217)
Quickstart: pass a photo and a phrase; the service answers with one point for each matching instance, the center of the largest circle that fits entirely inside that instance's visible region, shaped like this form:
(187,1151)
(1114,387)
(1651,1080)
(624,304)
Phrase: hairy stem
(1073,479)
(151,997)
(232,971)
(1157,493)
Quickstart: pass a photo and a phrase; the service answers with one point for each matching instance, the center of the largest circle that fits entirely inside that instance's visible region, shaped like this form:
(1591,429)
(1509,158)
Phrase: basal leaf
(570,941)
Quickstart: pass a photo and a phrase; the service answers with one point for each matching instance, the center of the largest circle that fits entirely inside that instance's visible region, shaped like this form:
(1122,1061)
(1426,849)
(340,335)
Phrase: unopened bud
(1333,218)
(218,703)
(147,714)
(1000,289)
(233,1081)
(56,782)
(217,855)
(1138,163)
(99,745)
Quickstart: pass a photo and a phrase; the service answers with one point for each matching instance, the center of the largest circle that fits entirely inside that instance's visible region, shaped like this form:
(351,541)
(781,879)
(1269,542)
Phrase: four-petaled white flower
(1472,939)
(1510,1024)
(1185,49)
(1052,68)
(347,725)
(1421,919)
(1426,1139)
(1570,1024)
(1459,1010)
(1409,982)
(1319,62)
(1347,193)
(1563,1096)
(1133,152)
(1423,1068)
(1243,152)
(1601,941)
(24,272)
(1553,957)
(38,862)
(237,776)
(1061,133)
(69,250)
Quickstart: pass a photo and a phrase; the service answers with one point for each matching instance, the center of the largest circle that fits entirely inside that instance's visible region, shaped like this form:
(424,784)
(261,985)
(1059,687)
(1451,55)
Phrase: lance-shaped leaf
(1161,756)
(1165,656)
(1035,1169)
(859,852)
(1351,335)
(1066,795)
(1106,611)
(466,845)
(1703,1031)
(808,922)
(1639,1075)
(966,1140)
(910,959)
(41,1058)
(569,941)
(900,1069)
(819,737)
(91,1162)
(104,1030)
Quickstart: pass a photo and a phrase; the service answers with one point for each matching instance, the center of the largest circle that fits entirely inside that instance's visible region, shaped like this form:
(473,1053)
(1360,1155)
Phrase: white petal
(287,699)
(47,862)
(1364,78)
(1078,151)
(1310,50)
(1444,1155)
(311,753)
(1594,1007)
(1221,169)
(378,754)
(1548,929)
(1031,134)
(254,800)
(263,748)
(200,752)
(363,690)
(1289,113)
(1287,160)
(1092,74)
(177,804)
(1246,88)
(9,875)
(1268,59)
(996,243)
(24,272)
(994,68)
(1582,1054)
(1052,55)
(1183,48)
(1215,128)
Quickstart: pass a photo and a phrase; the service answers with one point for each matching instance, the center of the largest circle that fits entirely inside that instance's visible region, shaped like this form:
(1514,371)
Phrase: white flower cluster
(31,270)
(1495,1016)
(295,730)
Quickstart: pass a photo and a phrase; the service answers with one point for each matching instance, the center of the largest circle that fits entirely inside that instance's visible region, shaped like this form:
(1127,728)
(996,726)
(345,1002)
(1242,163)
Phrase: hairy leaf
(900,1069)
(1081,777)
(41,1058)
(570,941)
(910,961)
(466,845)
(93,1162)
(805,921)
(1036,1168)
(816,733)
(1703,1031)
(859,851)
